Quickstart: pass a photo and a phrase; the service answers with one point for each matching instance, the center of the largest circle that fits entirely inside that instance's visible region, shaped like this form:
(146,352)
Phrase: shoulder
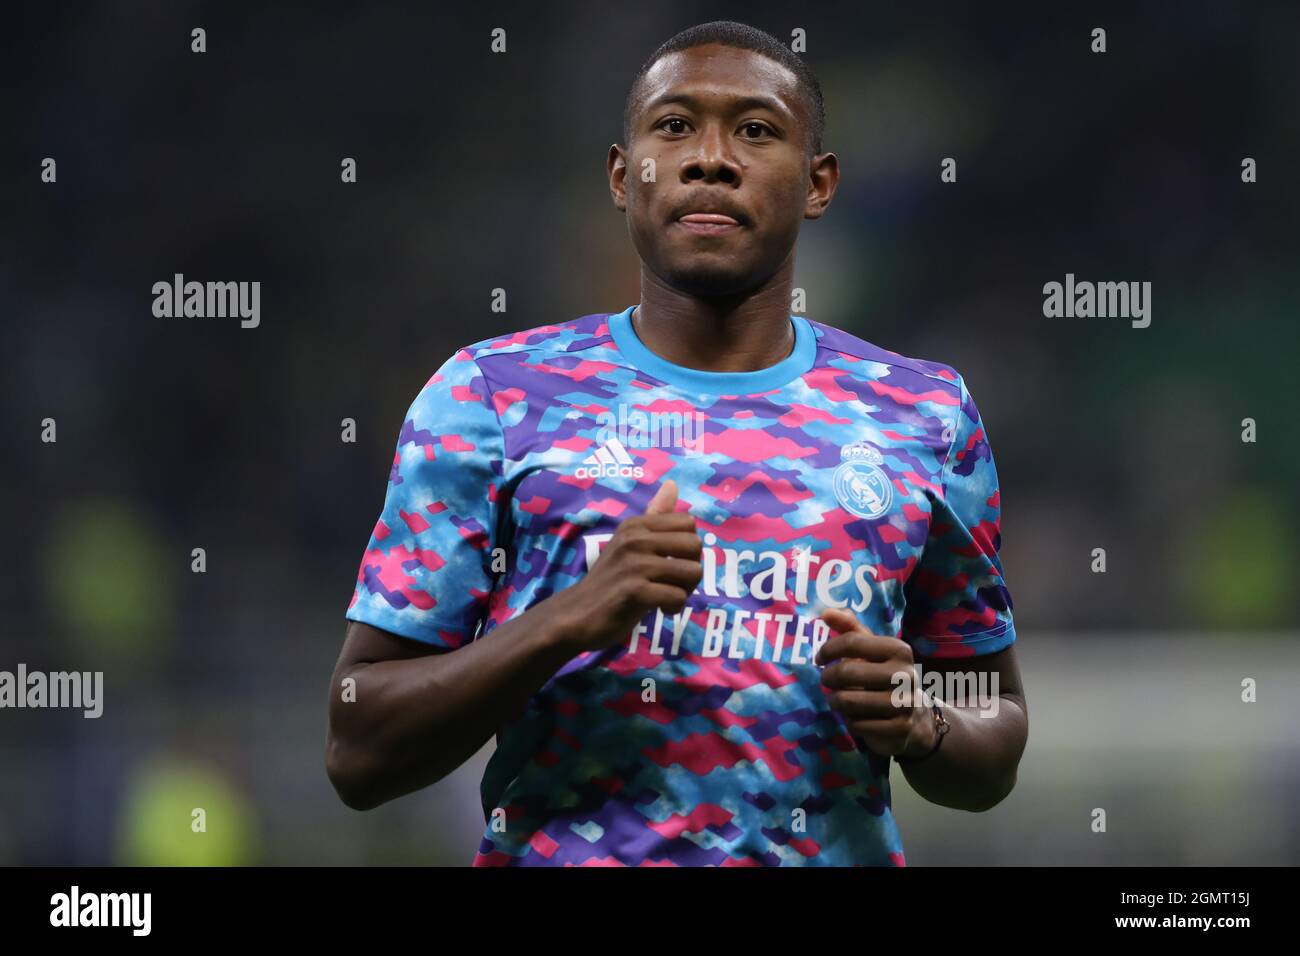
(845,352)
(477,366)
(575,335)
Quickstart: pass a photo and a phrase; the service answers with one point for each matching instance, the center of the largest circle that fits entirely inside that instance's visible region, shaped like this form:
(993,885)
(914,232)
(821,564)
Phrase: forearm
(975,767)
(411,722)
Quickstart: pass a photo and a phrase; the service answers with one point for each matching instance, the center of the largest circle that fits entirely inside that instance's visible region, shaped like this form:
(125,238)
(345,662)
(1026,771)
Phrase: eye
(673,119)
(763,128)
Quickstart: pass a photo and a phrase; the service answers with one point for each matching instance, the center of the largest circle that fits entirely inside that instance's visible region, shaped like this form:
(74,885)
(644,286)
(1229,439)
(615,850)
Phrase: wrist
(567,628)
(938,728)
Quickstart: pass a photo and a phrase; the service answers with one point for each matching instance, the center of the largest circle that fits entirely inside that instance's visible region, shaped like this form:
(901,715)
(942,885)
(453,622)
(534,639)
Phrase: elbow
(1003,782)
(987,801)
(348,776)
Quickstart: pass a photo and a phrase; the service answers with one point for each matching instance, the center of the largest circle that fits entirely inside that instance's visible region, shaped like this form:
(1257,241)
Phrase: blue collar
(799,361)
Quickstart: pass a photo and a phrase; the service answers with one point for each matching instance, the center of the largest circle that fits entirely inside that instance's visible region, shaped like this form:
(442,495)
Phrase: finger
(886,736)
(664,500)
(666,597)
(855,673)
(676,544)
(677,572)
(841,620)
(677,521)
(863,644)
(863,704)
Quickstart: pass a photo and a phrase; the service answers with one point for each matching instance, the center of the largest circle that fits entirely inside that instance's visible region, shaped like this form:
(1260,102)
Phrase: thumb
(841,620)
(665,499)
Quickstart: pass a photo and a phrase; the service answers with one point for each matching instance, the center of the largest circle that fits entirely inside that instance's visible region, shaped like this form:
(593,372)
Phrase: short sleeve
(958,604)
(427,571)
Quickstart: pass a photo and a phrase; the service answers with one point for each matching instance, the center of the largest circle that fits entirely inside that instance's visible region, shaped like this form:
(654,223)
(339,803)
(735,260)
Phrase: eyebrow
(751,102)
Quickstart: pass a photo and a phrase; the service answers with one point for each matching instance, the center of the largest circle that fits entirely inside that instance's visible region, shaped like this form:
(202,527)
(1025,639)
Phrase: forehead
(720,72)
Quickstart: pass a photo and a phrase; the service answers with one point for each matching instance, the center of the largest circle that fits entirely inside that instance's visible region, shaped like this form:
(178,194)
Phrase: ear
(616,167)
(823,178)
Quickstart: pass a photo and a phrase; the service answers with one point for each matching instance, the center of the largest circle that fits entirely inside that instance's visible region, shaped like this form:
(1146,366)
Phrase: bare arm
(975,768)
(418,712)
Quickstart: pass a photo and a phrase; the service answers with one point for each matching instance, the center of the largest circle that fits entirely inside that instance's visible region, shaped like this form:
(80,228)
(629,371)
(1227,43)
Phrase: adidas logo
(609,460)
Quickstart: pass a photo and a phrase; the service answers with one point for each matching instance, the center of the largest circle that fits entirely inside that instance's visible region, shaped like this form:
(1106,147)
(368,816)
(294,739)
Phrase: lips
(716,218)
(708,223)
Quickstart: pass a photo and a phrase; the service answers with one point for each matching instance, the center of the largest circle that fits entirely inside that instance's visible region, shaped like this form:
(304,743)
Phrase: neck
(740,333)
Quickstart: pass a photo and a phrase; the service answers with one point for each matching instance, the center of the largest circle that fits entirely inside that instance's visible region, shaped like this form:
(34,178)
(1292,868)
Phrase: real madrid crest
(861,485)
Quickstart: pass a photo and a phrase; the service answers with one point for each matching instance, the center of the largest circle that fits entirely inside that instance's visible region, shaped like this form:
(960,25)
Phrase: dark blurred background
(479,170)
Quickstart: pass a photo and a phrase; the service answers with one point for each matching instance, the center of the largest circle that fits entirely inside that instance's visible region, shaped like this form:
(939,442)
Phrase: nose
(712,160)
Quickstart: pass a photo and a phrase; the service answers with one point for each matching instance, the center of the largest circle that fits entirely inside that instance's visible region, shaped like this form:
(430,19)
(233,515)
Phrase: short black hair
(742,37)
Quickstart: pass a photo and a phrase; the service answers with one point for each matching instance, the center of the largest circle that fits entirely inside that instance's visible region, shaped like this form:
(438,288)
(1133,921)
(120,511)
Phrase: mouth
(708,223)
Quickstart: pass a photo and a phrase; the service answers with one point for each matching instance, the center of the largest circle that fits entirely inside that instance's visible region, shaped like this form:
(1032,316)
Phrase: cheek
(794,185)
(647,237)
(642,204)
(643,166)
(781,206)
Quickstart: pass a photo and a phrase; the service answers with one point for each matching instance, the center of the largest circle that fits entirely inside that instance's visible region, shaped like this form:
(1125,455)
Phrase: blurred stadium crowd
(479,171)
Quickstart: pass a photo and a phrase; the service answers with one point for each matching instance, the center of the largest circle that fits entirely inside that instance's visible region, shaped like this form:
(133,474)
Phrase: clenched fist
(858,676)
(652,561)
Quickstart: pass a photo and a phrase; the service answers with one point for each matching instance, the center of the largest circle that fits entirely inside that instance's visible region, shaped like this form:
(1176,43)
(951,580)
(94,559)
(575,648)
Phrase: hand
(652,561)
(860,685)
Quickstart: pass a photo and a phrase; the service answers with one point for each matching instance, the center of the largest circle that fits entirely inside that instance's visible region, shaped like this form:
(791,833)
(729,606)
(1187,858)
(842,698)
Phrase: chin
(709,283)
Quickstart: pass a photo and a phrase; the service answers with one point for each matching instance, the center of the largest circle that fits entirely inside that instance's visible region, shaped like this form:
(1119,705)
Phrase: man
(679,558)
